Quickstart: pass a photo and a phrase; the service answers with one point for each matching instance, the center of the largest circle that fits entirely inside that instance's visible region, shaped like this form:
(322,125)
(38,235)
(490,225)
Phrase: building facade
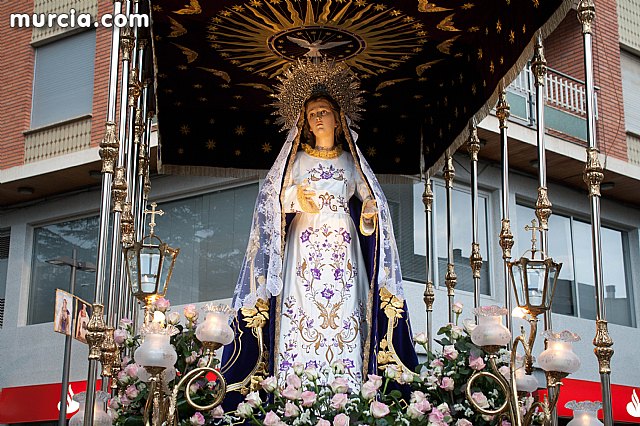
(52,113)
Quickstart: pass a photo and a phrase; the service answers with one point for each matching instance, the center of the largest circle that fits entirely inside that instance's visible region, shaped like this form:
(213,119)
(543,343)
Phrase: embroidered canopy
(427,70)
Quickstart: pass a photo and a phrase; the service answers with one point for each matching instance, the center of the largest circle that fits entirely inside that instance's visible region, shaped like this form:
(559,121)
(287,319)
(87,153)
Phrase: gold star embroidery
(211,144)
(379,7)
(501,60)
(417,26)
(183,67)
(498,27)
(408,19)
(239,130)
(212,28)
(237,152)
(524,29)
(361,3)
(467,6)
(536,3)
(267,121)
(212,121)
(180,151)
(417,96)
(202,99)
(479,54)
(473,89)
(225,13)
(400,139)
(512,37)
(492,68)
(395,13)
(197,86)
(216,20)
(473,29)
(237,97)
(255,3)
(371,151)
(157,8)
(184,129)
(266,147)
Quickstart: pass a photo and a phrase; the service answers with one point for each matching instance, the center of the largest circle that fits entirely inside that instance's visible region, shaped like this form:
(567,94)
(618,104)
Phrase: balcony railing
(565,109)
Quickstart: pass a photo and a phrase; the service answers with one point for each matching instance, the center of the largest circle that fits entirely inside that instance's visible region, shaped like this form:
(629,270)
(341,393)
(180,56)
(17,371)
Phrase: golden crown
(308,77)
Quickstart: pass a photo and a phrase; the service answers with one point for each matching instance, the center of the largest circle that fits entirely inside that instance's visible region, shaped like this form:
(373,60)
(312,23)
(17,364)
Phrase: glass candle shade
(490,330)
(585,413)
(149,271)
(100,417)
(156,351)
(559,355)
(215,328)
(525,382)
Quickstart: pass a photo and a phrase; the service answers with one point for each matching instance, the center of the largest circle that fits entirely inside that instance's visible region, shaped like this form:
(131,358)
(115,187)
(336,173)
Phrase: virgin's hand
(370,209)
(307,192)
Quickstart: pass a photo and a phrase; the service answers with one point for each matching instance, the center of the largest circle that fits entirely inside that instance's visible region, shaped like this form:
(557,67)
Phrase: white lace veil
(261,272)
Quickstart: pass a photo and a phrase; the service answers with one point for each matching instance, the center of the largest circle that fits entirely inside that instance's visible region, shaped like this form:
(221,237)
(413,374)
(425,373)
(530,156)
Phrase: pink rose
(190,312)
(423,406)
(450,352)
(476,363)
(447,383)
(420,339)
(436,363)
(270,384)
(124,400)
(173,318)
(291,410)
(131,370)
(131,392)
(271,419)
(368,390)
(505,423)
(436,416)
(457,308)
(504,370)
(120,336)
(413,412)
(480,399)
(294,381)
(217,412)
(162,304)
(340,385)
(244,410)
(308,398)
(122,376)
(463,422)
(191,358)
(418,396)
(197,419)
(341,420)
(113,403)
(323,422)
(379,409)
(376,380)
(292,393)
(253,399)
(125,322)
(339,401)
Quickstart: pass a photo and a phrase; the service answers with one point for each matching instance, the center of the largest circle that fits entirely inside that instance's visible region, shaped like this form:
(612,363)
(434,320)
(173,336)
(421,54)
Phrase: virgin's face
(321,117)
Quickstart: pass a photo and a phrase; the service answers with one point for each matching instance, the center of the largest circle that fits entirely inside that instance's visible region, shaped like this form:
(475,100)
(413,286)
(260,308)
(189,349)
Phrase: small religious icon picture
(83,314)
(63,314)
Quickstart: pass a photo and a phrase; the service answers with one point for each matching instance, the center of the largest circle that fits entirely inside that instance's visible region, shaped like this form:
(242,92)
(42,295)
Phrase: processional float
(206,72)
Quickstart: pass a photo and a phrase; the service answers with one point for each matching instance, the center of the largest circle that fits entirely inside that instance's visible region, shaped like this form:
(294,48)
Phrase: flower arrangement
(308,396)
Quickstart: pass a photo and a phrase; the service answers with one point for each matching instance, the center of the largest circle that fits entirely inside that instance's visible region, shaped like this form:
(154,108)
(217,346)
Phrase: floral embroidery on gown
(325,287)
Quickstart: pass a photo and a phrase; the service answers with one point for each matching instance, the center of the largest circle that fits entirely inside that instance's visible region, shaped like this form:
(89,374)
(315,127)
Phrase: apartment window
(63,79)
(50,242)
(5,236)
(212,232)
(570,244)
(407,210)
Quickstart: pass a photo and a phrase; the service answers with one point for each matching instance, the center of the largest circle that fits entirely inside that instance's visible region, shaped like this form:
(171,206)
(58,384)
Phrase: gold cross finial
(533,228)
(153,212)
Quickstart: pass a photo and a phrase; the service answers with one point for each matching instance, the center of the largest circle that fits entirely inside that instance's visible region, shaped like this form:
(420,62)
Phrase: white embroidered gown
(324,298)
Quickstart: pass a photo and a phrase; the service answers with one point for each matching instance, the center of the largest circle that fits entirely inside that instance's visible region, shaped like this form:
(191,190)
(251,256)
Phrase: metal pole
(593,176)
(506,236)
(62,418)
(475,260)
(108,151)
(450,278)
(543,205)
(429,294)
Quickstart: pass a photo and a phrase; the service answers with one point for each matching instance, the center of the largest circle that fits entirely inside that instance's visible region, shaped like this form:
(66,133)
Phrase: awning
(427,68)
(38,403)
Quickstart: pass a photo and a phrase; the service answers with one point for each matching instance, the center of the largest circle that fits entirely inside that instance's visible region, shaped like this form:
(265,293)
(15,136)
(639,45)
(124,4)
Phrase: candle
(148,271)
(559,355)
(490,330)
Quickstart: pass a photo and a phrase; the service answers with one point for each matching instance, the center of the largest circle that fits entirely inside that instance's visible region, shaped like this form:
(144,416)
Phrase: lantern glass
(149,266)
(534,282)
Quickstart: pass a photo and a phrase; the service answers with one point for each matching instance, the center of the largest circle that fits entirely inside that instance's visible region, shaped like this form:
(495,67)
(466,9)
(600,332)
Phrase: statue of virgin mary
(320,283)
